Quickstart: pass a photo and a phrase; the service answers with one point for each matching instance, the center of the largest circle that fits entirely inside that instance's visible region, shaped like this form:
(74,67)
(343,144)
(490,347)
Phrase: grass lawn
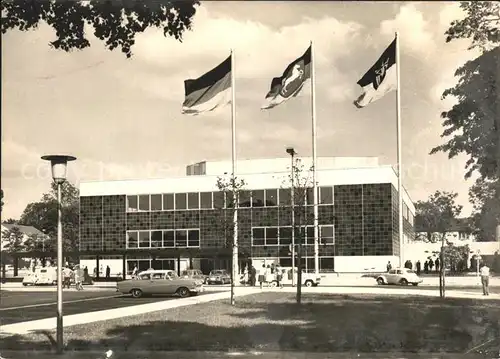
(272,322)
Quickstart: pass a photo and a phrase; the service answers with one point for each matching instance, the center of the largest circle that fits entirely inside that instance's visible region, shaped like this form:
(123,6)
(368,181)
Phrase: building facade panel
(114,222)
(91,223)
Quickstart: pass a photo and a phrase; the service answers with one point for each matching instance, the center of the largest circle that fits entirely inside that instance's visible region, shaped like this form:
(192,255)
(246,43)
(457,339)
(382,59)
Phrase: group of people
(429,264)
(268,275)
(77,274)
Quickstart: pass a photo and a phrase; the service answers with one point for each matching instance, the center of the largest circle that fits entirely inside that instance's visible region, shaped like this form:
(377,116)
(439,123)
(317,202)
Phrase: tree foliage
(456,257)
(13,240)
(43,216)
(116,23)
(437,215)
(481,24)
(485,198)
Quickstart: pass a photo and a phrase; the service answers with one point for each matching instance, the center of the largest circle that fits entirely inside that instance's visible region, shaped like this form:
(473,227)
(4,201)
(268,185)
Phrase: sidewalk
(108,314)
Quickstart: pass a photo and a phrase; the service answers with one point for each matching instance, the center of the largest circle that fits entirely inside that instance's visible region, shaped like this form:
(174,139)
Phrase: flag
(210,91)
(379,79)
(291,82)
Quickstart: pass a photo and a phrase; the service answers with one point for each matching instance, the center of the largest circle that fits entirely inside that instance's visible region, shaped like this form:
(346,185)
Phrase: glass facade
(354,220)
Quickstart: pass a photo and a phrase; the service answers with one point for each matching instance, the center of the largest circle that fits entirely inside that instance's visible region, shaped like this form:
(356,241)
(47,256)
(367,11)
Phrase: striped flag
(380,79)
(208,92)
(290,83)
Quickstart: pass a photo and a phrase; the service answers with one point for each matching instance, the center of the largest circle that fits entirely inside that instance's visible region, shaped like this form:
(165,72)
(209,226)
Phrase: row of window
(179,238)
(276,236)
(210,200)
(407,214)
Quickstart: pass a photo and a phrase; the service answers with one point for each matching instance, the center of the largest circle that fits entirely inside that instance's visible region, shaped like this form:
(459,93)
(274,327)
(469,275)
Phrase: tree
(227,222)
(485,198)
(116,23)
(435,216)
(13,242)
(11,221)
(455,257)
(41,244)
(43,216)
(299,183)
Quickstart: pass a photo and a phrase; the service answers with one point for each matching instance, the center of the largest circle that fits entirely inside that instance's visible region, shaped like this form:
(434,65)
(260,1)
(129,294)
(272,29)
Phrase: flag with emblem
(380,79)
(210,91)
(291,82)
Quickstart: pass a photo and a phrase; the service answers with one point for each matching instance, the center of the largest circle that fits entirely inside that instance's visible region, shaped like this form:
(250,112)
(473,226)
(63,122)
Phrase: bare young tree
(227,222)
(299,185)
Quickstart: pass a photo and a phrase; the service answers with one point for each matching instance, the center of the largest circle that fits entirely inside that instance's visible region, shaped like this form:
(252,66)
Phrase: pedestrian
(485,279)
(79,276)
(279,276)
(108,272)
(134,272)
(418,265)
(262,275)
(437,263)
(245,276)
(389,266)
(431,264)
(67,273)
(253,275)
(426,267)
(269,276)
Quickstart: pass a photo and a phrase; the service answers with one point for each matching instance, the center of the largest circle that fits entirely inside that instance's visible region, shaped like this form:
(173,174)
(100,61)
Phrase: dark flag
(379,79)
(210,91)
(291,82)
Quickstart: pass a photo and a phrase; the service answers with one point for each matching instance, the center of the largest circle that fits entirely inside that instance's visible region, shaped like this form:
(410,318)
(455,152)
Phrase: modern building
(182,222)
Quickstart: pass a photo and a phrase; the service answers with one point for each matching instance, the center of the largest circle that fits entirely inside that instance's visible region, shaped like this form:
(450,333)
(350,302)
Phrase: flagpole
(233,180)
(399,159)
(314,159)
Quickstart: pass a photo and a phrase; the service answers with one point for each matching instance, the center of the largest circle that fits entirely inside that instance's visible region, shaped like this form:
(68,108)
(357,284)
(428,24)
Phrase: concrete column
(124,267)
(97,267)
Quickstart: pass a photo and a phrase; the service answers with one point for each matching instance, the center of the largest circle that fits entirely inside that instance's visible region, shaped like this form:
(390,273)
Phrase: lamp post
(291,152)
(59,165)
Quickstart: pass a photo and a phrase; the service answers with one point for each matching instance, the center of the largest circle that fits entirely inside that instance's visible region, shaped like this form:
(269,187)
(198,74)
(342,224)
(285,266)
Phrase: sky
(122,117)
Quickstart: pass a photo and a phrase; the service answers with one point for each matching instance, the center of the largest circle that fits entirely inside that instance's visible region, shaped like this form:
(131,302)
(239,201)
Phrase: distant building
(169,222)
(459,233)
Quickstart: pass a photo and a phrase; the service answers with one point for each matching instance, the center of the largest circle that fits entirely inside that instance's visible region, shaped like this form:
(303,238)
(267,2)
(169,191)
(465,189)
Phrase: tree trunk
(16,266)
(299,273)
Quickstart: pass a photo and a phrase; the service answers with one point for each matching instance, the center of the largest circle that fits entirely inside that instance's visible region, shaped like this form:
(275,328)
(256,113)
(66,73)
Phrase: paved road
(26,306)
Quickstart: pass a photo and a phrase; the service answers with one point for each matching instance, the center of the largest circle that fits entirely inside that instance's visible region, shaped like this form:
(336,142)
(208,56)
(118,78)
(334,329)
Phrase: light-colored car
(165,282)
(41,276)
(195,274)
(219,276)
(308,279)
(400,276)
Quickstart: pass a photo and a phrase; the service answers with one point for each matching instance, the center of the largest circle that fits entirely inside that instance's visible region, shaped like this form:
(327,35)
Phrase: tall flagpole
(315,183)
(233,180)
(400,167)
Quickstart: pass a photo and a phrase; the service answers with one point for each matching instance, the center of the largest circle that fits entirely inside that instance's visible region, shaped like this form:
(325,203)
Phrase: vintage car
(219,276)
(401,276)
(162,282)
(41,276)
(195,274)
(308,279)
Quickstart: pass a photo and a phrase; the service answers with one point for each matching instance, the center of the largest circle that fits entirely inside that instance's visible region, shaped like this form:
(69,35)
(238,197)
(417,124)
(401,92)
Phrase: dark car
(219,276)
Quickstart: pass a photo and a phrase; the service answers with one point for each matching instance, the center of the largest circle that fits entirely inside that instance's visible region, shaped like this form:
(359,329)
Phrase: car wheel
(183,292)
(54,282)
(380,281)
(25,284)
(309,283)
(136,293)
(403,282)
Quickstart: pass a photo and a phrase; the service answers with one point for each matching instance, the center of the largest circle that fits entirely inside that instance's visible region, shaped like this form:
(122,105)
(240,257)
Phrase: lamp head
(290,151)
(59,165)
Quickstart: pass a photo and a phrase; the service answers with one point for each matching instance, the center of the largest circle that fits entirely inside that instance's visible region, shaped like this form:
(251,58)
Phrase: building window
(285,235)
(156,239)
(271,236)
(326,195)
(156,202)
(258,236)
(168,202)
(180,201)
(144,202)
(193,200)
(309,196)
(181,238)
(144,240)
(229,199)
(132,239)
(245,199)
(218,199)
(132,205)
(327,235)
(206,200)
(271,197)
(258,198)
(309,240)
(168,239)
(285,197)
(326,264)
(193,238)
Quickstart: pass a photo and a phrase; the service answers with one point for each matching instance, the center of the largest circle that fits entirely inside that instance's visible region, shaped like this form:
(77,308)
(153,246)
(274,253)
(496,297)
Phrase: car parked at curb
(160,282)
(399,276)
(219,276)
(41,276)
(195,274)
(308,279)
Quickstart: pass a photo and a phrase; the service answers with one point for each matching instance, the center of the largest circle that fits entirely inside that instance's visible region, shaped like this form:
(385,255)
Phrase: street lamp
(58,164)
(292,153)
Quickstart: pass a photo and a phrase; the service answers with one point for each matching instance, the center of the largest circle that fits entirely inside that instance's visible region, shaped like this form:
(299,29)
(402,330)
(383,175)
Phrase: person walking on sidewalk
(79,276)
(485,279)
(66,273)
